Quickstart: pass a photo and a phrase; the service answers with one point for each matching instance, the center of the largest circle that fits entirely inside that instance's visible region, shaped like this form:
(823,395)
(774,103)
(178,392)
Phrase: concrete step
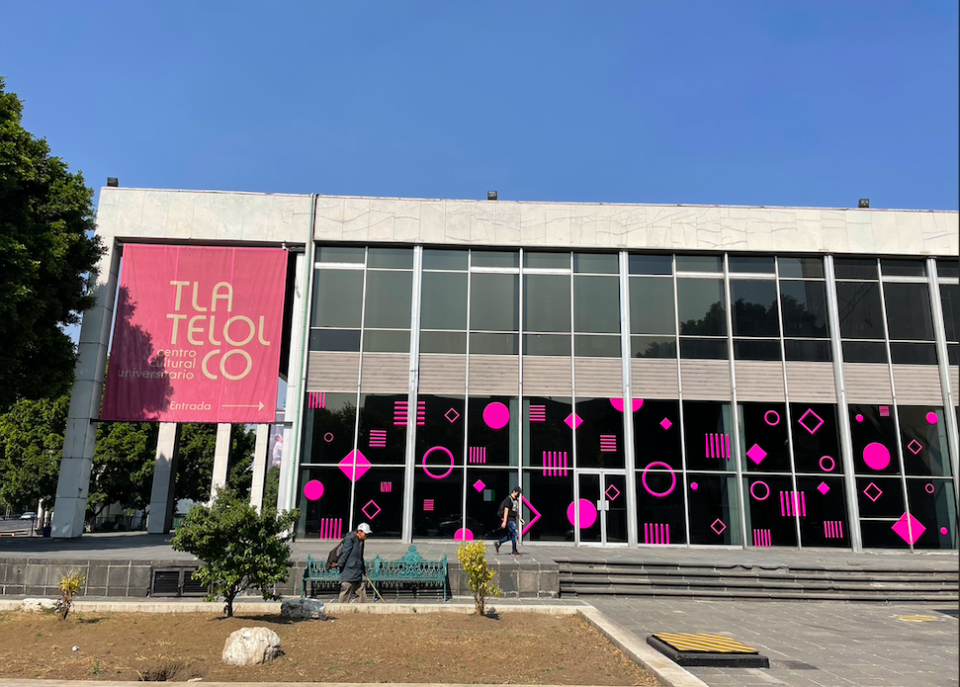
(813,595)
(742,571)
(931,586)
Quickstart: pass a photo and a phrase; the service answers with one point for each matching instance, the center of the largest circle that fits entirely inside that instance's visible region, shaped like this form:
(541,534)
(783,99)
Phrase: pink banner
(197,335)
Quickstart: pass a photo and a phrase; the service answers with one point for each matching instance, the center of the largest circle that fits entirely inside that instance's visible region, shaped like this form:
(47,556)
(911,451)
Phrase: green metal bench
(411,569)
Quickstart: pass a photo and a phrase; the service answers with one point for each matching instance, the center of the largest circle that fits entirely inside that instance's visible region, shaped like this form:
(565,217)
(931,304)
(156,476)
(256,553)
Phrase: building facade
(649,375)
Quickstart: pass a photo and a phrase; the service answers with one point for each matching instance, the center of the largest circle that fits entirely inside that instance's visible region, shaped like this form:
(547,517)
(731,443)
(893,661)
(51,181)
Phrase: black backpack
(334,555)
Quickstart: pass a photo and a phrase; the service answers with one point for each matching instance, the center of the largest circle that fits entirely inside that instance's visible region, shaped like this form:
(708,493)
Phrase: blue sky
(766,103)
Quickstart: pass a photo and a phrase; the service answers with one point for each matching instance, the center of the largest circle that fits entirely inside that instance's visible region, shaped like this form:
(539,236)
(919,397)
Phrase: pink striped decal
(717,445)
(793,504)
(762,538)
(331,528)
(833,529)
(317,400)
(555,464)
(655,533)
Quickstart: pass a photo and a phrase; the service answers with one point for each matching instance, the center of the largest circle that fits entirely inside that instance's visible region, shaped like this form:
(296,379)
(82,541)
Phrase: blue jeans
(511,535)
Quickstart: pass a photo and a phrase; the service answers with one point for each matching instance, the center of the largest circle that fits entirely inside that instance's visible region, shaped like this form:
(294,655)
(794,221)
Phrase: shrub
(70,585)
(473,560)
(239,548)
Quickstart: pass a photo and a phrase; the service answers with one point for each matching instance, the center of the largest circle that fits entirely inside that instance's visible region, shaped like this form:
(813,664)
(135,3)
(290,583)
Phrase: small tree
(239,548)
(70,585)
(473,560)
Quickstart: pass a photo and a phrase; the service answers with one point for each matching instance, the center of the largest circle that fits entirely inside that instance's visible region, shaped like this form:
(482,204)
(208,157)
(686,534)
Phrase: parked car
(29,515)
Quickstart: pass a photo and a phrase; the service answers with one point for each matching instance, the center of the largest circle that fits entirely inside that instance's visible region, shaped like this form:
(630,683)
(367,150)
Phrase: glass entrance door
(602,507)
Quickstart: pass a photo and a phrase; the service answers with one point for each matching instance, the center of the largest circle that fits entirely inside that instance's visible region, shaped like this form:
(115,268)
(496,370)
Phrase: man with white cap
(352,566)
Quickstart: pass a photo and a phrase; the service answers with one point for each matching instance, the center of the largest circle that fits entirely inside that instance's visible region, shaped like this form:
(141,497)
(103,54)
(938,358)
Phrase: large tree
(31,441)
(48,256)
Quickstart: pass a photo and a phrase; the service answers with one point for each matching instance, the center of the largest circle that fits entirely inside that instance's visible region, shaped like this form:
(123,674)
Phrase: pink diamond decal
(756,454)
(823,488)
(718,526)
(909,528)
(873,492)
(452,418)
(479,485)
(614,495)
(573,421)
(806,425)
(915,446)
(354,465)
(372,515)
(665,423)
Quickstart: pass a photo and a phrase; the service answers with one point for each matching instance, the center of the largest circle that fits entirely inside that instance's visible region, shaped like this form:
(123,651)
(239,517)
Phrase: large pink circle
(588,513)
(932,418)
(658,494)
(463,534)
(944,531)
(619,405)
(876,456)
(496,415)
(438,448)
(313,490)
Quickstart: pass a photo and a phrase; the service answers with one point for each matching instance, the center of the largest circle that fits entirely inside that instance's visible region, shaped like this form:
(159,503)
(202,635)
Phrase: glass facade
(685,466)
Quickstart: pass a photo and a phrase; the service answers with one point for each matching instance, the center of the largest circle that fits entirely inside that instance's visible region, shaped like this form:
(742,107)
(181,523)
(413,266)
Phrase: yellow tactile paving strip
(713,644)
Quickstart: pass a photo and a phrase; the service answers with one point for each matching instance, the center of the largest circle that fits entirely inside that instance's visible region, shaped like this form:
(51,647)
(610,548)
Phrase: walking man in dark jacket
(352,566)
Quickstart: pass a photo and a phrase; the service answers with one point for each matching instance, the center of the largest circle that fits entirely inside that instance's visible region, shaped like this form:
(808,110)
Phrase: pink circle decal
(943,531)
(833,464)
(618,404)
(328,437)
(932,418)
(496,415)
(929,488)
(588,513)
(463,534)
(694,486)
(754,494)
(876,456)
(859,417)
(658,494)
(313,490)
(772,418)
(449,455)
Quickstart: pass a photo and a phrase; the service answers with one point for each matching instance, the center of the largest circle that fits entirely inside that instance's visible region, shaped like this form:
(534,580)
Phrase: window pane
(444,259)
(953,354)
(699,263)
(853,268)
(443,303)
(764,437)
(341,254)
(498,442)
(376,413)
(804,305)
(597,346)
(808,351)
(328,431)
(597,304)
(756,349)
(334,339)
(546,344)
(903,268)
(494,258)
(708,433)
(703,349)
(651,264)
(873,431)
(546,261)
(388,299)
(923,435)
(389,500)
(937,509)
(913,353)
(864,352)
(393,258)
(701,307)
(816,451)
(386,340)
(600,419)
(754,308)
(801,268)
(494,302)
(443,342)
(754,264)
(596,263)
(337,298)
(494,344)
(948,269)
(546,303)
(651,306)
(653,346)
(714,503)
(766,525)
(950,302)
(438,488)
(860,314)
(908,311)
(826,522)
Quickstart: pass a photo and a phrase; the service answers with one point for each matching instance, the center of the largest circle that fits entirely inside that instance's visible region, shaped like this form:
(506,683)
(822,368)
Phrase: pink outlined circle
(766,496)
(944,531)
(657,494)
(463,534)
(932,418)
(438,448)
(929,488)
(313,490)
(694,486)
(328,437)
(833,463)
(859,417)
(876,456)
(496,415)
(766,417)
(588,513)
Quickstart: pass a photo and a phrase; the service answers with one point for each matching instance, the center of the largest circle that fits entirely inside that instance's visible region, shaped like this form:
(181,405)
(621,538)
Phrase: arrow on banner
(536,514)
(252,405)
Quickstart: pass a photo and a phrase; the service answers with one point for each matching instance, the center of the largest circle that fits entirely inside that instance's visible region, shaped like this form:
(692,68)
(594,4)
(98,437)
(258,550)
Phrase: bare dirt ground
(517,648)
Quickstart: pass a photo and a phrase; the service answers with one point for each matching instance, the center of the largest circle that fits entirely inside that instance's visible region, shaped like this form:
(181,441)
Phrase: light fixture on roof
(113,182)
(491,195)
(864,203)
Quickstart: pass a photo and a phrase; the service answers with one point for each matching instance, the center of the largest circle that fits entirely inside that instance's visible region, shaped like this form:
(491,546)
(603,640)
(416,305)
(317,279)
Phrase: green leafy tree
(195,461)
(48,258)
(123,464)
(31,442)
(473,561)
(239,549)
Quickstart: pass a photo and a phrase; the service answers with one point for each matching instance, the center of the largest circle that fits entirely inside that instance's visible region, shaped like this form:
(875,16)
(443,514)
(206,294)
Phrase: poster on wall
(197,335)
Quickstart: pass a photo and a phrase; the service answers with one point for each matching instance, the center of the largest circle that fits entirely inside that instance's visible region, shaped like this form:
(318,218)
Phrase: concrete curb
(117,683)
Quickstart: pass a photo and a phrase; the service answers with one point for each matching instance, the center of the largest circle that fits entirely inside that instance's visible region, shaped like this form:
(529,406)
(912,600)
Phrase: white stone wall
(138,214)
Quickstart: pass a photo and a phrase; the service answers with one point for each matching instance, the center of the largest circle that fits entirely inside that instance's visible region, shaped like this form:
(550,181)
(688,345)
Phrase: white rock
(76,648)
(303,608)
(36,605)
(251,645)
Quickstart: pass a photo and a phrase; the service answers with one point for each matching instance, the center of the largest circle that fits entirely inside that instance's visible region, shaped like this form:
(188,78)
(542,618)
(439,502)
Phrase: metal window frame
(946,389)
(734,403)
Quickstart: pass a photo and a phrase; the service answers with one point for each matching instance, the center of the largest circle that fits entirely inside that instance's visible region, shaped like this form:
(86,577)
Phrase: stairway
(583,577)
